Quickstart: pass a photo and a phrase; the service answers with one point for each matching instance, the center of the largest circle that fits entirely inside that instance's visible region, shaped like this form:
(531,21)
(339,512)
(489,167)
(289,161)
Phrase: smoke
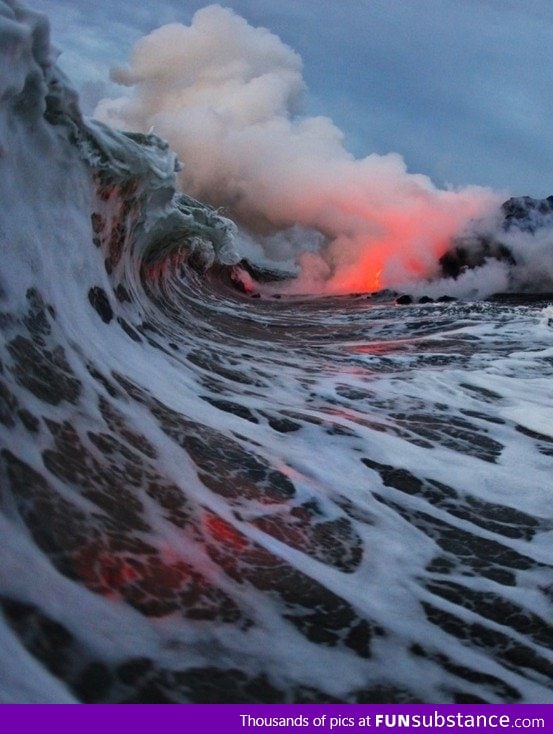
(228,99)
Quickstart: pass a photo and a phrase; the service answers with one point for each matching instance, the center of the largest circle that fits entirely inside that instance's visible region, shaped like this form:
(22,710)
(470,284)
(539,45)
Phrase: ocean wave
(211,497)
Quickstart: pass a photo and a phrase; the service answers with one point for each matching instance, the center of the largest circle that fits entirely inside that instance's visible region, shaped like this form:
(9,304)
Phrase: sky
(461,89)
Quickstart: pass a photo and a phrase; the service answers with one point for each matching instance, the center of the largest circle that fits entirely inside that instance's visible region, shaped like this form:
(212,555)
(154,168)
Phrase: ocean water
(211,497)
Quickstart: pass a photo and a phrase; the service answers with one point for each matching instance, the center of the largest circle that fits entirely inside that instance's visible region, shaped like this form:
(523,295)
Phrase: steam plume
(227,97)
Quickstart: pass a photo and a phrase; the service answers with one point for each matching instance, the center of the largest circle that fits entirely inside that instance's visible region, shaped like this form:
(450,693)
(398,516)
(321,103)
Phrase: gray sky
(462,89)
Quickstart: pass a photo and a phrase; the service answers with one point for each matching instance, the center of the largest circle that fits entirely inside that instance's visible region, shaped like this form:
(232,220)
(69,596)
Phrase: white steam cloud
(227,97)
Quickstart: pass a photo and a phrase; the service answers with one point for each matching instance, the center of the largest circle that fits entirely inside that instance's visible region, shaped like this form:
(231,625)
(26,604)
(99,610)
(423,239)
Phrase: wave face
(211,498)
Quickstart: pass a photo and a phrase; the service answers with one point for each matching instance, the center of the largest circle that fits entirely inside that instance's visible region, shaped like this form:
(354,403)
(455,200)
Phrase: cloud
(459,87)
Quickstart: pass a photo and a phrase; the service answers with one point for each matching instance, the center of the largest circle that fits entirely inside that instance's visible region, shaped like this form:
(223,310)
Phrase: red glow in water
(224,533)
(94,566)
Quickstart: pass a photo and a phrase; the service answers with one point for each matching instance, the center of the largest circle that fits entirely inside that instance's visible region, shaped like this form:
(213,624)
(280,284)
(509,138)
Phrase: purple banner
(257,718)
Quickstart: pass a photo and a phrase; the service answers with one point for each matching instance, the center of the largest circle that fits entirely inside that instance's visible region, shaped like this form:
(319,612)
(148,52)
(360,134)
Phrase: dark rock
(131,671)
(382,296)
(97,222)
(8,406)
(445,299)
(283,425)
(122,294)
(30,421)
(150,693)
(46,373)
(527,214)
(426,299)
(36,319)
(404,300)
(99,301)
(521,299)
(128,329)
(472,251)
(385,694)
(44,638)
(93,683)
(231,407)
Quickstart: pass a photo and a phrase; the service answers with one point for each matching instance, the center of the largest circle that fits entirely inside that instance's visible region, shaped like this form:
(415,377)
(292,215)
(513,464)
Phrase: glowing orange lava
(387,243)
